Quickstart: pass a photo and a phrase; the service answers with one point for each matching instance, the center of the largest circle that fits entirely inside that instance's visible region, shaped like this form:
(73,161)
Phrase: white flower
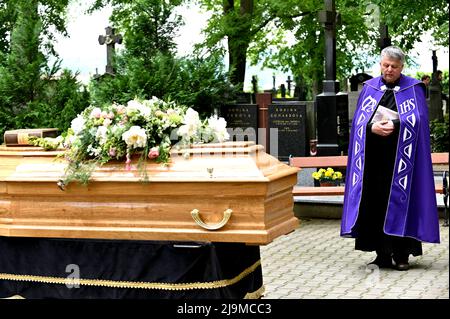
(107,122)
(101,134)
(77,124)
(136,106)
(219,128)
(93,151)
(135,137)
(70,140)
(191,125)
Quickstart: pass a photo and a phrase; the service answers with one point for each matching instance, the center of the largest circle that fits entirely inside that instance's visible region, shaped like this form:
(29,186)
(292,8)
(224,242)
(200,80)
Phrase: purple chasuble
(412,208)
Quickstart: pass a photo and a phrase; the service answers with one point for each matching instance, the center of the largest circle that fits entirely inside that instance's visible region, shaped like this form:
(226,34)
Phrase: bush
(439,135)
(59,101)
(200,83)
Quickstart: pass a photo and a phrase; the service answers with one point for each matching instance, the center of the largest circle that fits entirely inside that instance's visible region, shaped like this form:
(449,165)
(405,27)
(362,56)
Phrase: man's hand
(383,128)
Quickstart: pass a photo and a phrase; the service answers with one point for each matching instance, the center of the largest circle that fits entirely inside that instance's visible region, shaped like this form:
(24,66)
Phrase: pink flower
(96,113)
(112,151)
(154,153)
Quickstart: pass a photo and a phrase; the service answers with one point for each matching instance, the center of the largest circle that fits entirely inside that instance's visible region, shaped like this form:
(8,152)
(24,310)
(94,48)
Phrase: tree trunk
(239,40)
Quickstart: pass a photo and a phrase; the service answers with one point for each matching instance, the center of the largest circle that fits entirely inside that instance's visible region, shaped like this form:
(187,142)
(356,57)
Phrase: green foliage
(408,22)
(274,21)
(439,135)
(31,94)
(47,143)
(148,66)
(200,83)
(65,97)
(148,26)
(52,13)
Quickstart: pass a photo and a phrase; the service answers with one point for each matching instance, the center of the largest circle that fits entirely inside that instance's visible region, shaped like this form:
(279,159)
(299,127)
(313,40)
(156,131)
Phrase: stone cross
(289,84)
(329,18)
(384,40)
(110,39)
(255,84)
(331,106)
(435,61)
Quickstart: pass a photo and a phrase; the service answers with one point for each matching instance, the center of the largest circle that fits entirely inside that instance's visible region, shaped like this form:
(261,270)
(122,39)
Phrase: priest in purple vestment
(390,203)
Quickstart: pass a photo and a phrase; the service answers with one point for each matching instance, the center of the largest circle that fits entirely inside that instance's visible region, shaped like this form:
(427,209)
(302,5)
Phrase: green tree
(20,76)
(31,94)
(53,20)
(260,31)
(66,97)
(148,26)
(407,22)
(197,82)
(148,67)
(263,33)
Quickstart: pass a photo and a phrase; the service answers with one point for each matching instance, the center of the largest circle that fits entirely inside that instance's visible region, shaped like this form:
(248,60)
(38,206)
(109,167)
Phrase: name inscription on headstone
(242,121)
(289,121)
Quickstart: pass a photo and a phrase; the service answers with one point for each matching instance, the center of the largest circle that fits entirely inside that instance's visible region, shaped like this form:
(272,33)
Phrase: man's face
(391,69)
(426,81)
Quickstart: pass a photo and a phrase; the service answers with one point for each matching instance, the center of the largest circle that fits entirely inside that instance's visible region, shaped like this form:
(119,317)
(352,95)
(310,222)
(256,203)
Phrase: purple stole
(412,208)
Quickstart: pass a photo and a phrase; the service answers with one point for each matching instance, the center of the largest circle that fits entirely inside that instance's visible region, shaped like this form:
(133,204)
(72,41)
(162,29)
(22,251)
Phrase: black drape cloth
(112,269)
(378,171)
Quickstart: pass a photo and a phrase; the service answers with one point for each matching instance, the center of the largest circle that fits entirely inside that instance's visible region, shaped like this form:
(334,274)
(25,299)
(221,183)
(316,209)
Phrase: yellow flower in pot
(328,177)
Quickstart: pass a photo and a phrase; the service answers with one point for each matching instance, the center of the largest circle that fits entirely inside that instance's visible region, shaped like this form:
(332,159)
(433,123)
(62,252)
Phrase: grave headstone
(244,98)
(242,121)
(289,121)
(357,80)
(356,85)
(283,90)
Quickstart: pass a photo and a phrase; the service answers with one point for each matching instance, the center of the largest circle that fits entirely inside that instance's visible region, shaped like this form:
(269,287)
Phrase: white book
(384,114)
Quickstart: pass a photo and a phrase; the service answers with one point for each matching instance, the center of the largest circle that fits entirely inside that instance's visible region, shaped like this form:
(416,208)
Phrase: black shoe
(382,261)
(402,266)
(401,262)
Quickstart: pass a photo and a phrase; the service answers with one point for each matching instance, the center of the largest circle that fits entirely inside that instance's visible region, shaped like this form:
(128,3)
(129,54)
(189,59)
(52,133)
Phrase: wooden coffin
(228,192)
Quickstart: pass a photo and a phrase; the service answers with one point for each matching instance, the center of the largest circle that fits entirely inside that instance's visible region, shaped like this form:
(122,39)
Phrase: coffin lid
(229,161)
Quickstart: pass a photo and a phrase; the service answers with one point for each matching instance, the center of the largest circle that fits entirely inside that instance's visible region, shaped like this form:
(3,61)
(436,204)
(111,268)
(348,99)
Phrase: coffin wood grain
(117,205)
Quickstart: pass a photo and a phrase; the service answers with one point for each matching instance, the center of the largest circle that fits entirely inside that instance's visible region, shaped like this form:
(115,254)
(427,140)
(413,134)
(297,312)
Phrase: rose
(135,137)
(154,153)
(191,125)
(135,106)
(77,124)
(219,128)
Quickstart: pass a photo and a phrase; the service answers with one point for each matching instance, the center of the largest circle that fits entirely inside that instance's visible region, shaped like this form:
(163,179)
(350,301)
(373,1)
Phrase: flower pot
(328,183)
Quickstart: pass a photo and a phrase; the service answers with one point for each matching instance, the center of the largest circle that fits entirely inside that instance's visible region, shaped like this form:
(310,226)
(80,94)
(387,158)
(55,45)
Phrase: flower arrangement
(146,127)
(327,175)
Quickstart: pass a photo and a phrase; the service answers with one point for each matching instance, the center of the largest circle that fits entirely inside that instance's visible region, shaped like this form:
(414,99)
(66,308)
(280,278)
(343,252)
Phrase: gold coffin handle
(226,216)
